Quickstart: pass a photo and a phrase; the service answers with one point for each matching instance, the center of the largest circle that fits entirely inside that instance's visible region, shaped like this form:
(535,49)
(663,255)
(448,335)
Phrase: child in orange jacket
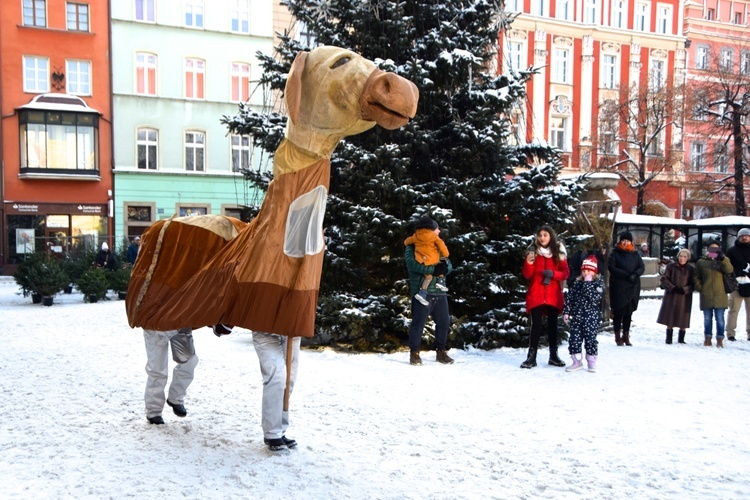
(429,249)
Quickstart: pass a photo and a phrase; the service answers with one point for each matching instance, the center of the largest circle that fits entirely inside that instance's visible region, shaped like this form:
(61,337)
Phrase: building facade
(55,133)
(718,66)
(180,65)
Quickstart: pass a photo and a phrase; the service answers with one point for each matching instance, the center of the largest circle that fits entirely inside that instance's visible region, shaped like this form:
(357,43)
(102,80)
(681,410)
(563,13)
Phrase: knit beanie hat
(626,235)
(744,232)
(425,222)
(105,246)
(590,264)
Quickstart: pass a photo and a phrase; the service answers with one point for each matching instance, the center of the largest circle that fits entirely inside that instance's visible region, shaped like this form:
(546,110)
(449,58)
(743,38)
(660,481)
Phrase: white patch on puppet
(304,224)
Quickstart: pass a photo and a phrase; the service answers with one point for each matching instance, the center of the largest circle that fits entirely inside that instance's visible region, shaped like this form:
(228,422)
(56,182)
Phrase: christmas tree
(455,162)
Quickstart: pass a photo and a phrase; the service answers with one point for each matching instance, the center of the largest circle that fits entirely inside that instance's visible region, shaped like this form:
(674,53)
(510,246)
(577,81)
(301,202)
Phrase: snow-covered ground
(657,421)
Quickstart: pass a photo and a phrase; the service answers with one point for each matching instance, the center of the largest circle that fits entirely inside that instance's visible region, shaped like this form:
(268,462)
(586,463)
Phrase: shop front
(52,228)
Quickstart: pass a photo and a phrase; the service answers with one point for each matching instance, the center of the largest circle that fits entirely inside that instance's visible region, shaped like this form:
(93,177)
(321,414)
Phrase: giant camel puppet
(265,275)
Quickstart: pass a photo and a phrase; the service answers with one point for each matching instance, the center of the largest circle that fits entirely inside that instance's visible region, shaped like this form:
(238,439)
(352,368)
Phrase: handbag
(730,282)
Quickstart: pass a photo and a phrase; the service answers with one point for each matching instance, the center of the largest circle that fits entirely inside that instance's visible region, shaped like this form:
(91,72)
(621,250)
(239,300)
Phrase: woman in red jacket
(546,267)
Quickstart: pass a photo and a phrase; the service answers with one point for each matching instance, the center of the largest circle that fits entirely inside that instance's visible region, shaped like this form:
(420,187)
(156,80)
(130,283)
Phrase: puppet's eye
(341,62)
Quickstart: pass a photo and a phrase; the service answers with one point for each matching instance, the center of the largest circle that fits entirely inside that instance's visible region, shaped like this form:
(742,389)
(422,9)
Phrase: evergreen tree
(453,162)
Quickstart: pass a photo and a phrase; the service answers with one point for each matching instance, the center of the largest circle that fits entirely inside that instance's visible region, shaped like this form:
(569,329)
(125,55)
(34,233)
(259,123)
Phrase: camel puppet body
(265,275)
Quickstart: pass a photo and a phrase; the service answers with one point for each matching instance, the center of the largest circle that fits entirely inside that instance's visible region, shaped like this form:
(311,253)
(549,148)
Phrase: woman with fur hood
(546,268)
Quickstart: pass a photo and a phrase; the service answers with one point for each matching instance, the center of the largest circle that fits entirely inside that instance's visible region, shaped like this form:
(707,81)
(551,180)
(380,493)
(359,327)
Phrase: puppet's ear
(293,90)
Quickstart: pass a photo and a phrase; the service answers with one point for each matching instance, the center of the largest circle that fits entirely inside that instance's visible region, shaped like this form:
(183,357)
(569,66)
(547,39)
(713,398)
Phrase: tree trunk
(738,143)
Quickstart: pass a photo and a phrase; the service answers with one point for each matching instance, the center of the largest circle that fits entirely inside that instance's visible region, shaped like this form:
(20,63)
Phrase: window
(561,65)
(658,75)
(34,13)
(240,152)
(145,73)
(35,74)
(710,14)
(656,146)
(304,35)
(241,16)
(745,63)
(77,17)
(664,19)
(564,10)
(514,6)
(540,8)
(619,12)
(240,77)
(55,140)
(697,153)
(195,146)
(193,210)
(144,10)
(721,158)
(591,12)
(738,18)
(147,143)
(727,59)
(194,13)
(195,70)
(78,77)
(558,135)
(516,60)
(641,16)
(609,71)
(701,57)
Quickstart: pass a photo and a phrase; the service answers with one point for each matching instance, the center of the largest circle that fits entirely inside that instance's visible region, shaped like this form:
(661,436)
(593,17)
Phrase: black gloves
(632,277)
(440,269)
(720,255)
(678,290)
(547,273)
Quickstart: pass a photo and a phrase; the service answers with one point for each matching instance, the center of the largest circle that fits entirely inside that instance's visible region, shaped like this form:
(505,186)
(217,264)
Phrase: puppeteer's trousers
(157,364)
(271,351)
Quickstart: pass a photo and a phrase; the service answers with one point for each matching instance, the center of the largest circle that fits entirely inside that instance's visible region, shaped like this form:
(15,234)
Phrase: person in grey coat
(678,296)
(709,281)
(625,270)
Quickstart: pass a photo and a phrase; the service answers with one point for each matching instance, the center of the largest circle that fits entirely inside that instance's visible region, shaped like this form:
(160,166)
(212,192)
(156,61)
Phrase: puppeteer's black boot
(669,335)
(681,337)
(530,359)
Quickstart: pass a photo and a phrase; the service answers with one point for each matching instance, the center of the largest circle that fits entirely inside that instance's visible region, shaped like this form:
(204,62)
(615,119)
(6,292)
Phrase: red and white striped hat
(590,264)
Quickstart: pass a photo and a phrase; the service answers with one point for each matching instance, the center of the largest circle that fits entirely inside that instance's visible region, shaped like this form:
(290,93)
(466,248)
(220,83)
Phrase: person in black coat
(625,270)
(739,256)
(104,259)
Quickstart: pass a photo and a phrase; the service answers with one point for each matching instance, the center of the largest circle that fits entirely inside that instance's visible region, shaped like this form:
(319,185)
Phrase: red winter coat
(540,294)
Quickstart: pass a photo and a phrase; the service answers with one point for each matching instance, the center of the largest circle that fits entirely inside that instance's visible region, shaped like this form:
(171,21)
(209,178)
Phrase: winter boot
(618,339)
(414,358)
(554,359)
(681,337)
(591,361)
(442,357)
(530,359)
(707,342)
(577,365)
(626,338)
(669,335)
(720,342)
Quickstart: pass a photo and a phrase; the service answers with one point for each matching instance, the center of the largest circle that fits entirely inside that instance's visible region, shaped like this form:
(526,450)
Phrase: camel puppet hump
(265,275)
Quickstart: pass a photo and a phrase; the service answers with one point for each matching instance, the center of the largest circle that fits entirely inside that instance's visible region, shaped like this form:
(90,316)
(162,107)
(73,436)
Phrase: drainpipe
(110,199)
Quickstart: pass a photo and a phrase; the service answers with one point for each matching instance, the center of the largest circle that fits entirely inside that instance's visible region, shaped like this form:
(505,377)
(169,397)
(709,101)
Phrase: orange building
(55,133)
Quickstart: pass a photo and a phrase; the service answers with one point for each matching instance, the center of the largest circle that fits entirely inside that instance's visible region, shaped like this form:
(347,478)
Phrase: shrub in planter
(46,277)
(119,280)
(93,285)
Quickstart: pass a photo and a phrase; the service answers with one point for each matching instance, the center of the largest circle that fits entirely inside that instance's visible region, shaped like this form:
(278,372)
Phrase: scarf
(544,252)
(626,245)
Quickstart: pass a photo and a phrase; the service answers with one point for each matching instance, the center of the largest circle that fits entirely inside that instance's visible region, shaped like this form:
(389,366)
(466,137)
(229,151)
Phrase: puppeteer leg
(271,351)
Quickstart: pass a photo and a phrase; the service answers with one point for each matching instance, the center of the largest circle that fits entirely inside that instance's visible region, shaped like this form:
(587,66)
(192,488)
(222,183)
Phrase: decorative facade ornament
(561,105)
(563,41)
(610,47)
(659,54)
(517,35)
(540,35)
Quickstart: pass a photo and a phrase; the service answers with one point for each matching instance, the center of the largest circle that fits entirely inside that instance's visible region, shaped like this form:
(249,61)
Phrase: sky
(656,421)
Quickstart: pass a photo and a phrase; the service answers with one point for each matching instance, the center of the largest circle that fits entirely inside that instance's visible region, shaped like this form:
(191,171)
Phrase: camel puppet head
(333,93)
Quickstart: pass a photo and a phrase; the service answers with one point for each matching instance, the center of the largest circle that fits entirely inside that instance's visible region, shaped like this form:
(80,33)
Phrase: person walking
(709,281)
(546,267)
(133,250)
(677,301)
(739,256)
(625,270)
(437,307)
(158,343)
(583,312)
